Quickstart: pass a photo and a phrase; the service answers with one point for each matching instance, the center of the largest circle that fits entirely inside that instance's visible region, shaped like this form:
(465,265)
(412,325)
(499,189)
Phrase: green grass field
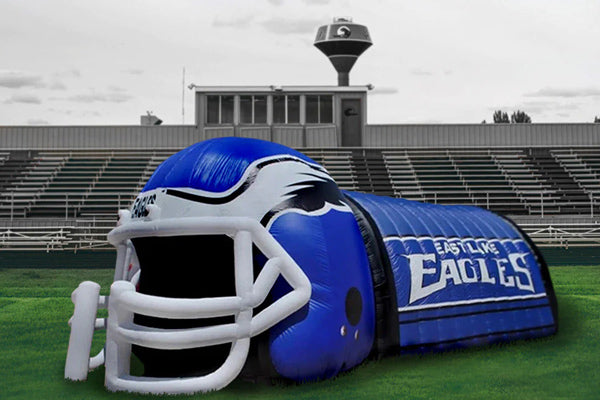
(35,306)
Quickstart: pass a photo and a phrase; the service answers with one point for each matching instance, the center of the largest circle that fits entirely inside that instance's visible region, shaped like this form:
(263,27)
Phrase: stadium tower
(343,42)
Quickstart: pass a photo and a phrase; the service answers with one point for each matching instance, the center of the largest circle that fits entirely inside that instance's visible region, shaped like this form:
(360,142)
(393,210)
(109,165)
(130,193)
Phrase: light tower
(343,42)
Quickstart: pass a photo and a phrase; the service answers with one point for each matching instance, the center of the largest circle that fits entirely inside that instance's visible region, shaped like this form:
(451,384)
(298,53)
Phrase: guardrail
(82,234)
(55,235)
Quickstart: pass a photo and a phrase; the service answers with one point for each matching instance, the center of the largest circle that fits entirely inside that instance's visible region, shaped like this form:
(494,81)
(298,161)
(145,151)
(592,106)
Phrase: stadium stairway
(570,196)
(372,175)
(583,166)
(530,187)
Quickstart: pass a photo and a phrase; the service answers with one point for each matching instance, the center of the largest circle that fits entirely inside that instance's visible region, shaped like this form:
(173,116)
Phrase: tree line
(518,117)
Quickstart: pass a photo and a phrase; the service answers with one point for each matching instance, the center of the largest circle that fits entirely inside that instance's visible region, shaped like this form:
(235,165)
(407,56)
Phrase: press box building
(299,116)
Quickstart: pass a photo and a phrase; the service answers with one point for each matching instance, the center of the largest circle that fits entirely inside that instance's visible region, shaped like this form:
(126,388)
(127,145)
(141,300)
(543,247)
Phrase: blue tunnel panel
(325,337)
(463,276)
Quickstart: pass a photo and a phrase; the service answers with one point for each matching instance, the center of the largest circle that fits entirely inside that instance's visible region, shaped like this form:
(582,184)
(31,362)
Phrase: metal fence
(482,135)
(403,136)
(155,137)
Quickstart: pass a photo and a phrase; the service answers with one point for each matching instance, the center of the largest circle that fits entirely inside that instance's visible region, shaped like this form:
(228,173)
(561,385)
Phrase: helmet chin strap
(124,302)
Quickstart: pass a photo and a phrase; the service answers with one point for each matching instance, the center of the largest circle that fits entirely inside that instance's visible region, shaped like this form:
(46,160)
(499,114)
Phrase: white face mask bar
(124,302)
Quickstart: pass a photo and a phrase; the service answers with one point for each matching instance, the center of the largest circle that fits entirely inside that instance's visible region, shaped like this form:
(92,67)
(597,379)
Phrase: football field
(35,306)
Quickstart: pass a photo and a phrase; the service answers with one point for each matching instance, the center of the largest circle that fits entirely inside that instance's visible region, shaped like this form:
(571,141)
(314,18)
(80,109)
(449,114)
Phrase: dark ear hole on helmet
(184,267)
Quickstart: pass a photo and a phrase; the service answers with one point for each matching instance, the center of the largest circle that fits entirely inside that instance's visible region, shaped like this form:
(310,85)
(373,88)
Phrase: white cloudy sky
(454,61)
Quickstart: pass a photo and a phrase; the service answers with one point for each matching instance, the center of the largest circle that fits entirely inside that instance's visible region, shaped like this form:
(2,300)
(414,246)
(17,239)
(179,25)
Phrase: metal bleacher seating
(453,177)
(55,200)
(338,163)
(69,199)
(583,166)
(487,185)
(88,184)
(568,195)
(115,186)
(23,178)
(402,175)
(68,187)
(438,177)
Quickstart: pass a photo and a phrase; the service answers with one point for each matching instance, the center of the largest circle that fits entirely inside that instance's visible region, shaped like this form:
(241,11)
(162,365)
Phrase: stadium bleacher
(68,200)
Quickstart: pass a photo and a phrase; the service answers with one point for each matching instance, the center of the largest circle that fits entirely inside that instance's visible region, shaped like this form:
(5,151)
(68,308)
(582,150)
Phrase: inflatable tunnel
(243,257)
(458,275)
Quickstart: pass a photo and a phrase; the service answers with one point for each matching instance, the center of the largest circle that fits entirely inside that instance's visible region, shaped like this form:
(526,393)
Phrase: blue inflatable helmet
(241,256)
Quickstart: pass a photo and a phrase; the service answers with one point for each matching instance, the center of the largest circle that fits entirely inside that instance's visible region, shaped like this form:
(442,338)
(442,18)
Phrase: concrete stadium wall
(560,256)
(154,137)
(98,137)
(95,137)
(404,136)
(482,135)
(58,259)
(106,258)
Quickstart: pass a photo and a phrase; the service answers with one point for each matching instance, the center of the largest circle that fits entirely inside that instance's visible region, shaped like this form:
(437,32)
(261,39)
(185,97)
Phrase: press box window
(286,109)
(253,109)
(319,109)
(219,109)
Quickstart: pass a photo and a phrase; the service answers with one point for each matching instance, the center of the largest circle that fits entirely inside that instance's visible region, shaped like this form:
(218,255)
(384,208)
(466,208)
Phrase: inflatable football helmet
(242,257)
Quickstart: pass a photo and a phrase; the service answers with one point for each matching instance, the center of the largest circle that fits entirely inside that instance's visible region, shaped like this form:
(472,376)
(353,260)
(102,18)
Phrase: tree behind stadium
(520,117)
(500,117)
